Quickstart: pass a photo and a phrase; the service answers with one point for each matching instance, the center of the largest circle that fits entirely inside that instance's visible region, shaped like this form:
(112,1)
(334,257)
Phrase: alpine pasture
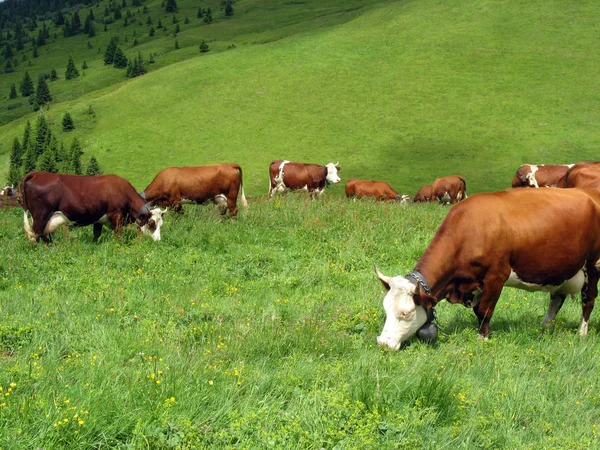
(260,332)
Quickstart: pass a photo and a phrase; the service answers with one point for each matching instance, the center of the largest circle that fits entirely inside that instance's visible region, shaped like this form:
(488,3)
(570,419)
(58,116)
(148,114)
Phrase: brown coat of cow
(582,175)
(539,175)
(450,189)
(56,199)
(519,238)
(198,184)
(380,190)
(425,194)
(294,176)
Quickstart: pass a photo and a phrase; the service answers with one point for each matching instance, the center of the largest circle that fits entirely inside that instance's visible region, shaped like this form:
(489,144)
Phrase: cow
(219,183)
(539,175)
(296,176)
(380,190)
(542,239)
(100,200)
(425,194)
(451,189)
(582,175)
(9,196)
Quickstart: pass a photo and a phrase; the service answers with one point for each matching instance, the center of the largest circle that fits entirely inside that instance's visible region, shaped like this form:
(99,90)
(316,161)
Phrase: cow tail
(243,199)
(28,230)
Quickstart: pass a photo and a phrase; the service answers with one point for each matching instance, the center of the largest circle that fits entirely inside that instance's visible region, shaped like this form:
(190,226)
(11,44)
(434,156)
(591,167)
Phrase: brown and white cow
(539,175)
(449,190)
(219,183)
(542,239)
(9,196)
(582,175)
(99,200)
(313,178)
(380,190)
(425,194)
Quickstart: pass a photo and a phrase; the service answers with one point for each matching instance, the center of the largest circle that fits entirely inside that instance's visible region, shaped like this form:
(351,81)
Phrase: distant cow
(380,190)
(451,189)
(582,175)
(539,175)
(425,194)
(533,239)
(296,176)
(100,200)
(219,183)
(9,196)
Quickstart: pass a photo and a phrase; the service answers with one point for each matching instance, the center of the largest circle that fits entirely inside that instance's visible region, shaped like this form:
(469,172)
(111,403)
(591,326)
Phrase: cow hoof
(428,333)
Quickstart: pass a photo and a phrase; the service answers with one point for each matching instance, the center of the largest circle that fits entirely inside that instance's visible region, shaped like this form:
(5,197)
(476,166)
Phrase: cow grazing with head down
(219,183)
(99,200)
(539,175)
(425,194)
(313,178)
(449,190)
(542,239)
(379,190)
(9,196)
(582,175)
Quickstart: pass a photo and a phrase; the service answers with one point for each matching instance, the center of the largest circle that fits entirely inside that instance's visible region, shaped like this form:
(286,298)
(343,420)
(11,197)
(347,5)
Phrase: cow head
(332,176)
(404,317)
(151,222)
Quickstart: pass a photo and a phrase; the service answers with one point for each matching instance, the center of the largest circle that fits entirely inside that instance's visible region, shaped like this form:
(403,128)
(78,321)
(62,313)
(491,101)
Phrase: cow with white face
(533,239)
(313,178)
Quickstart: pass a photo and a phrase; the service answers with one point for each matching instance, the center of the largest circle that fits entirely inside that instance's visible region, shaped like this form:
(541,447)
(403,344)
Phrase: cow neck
(436,267)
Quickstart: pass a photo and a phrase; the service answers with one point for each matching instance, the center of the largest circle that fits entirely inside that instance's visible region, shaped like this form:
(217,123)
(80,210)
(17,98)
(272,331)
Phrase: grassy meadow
(260,333)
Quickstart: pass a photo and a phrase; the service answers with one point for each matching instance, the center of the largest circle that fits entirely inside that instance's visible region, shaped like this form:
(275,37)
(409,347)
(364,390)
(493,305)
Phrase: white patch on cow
(583,328)
(104,220)
(403,317)
(332,176)
(569,287)
(445,199)
(56,220)
(156,215)
(279,184)
(28,230)
(531,176)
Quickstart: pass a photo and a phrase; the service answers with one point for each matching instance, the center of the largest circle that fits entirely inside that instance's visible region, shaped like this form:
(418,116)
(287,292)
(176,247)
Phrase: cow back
(582,175)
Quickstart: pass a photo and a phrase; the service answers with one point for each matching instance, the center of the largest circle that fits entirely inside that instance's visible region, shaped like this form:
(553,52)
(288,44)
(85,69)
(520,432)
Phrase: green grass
(399,91)
(261,333)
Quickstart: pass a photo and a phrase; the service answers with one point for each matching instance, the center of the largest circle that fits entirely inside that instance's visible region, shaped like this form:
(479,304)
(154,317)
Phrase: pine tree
(72,71)
(200,13)
(110,50)
(13,92)
(171,6)
(26,137)
(29,160)
(43,92)
(8,68)
(93,167)
(119,60)
(229,9)
(14,176)
(203,47)
(176,44)
(35,53)
(8,51)
(84,65)
(151,32)
(53,75)
(47,161)
(67,122)
(75,24)
(75,154)
(208,17)
(16,154)
(41,136)
(159,25)
(26,87)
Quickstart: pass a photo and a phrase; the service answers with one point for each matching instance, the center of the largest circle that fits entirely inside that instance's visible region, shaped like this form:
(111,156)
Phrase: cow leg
(588,297)
(232,206)
(485,308)
(556,302)
(97,231)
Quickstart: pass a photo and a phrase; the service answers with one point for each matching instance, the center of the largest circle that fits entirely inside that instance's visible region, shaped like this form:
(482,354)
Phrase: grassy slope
(405,93)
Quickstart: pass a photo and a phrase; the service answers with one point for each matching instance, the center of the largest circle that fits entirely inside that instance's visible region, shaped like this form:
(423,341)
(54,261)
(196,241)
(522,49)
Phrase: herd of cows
(533,239)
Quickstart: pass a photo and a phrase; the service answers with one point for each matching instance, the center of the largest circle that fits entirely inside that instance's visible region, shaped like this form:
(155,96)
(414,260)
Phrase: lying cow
(449,190)
(219,183)
(379,190)
(539,175)
(296,176)
(102,200)
(543,239)
(425,194)
(9,196)
(582,175)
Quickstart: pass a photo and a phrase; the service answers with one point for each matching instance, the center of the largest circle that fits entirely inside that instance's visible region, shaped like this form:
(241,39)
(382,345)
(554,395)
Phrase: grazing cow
(9,196)
(539,175)
(219,183)
(425,194)
(582,175)
(451,189)
(380,190)
(542,239)
(102,200)
(295,176)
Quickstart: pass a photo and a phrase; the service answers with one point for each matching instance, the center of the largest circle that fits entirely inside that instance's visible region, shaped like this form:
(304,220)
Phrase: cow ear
(385,280)
(425,300)
(152,225)
(338,168)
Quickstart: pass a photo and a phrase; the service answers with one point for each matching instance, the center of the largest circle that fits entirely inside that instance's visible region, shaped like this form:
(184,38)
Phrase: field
(260,333)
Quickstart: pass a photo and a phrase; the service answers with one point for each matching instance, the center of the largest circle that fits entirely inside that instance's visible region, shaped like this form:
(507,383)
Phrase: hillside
(404,91)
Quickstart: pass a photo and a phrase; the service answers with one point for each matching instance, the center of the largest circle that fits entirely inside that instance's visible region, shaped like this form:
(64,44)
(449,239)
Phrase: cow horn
(384,278)
(163,210)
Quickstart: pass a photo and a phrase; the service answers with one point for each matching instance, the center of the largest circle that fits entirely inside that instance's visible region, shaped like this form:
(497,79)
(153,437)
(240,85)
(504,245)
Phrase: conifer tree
(75,154)
(208,17)
(93,167)
(14,176)
(67,122)
(229,10)
(72,71)
(109,54)
(200,13)
(47,161)
(53,75)
(35,53)
(42,131)
(42,94)
(26,142)
(16,154)
(84,65)
(159,24)
(8,68)
(29,160)
(26,87)
(151,32)
(75,24)
(203,46)
(13,91)
(119,60)
(171,6)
